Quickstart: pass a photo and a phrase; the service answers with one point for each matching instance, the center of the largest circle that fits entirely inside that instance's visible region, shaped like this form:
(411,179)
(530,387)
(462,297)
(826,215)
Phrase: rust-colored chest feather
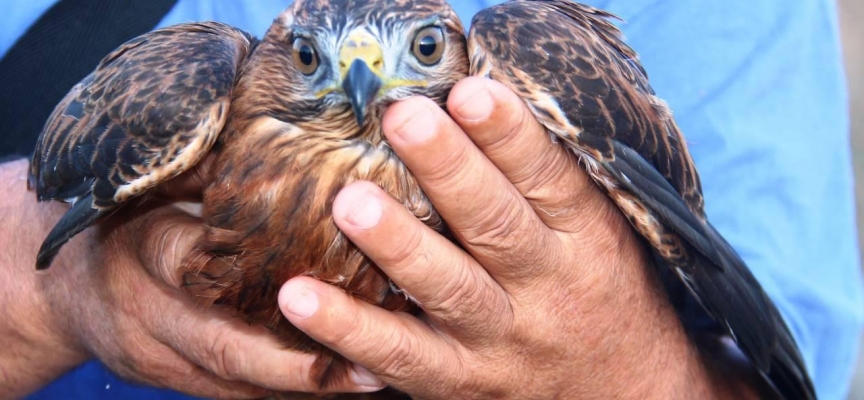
(269,219)
(296,135)
(285,111)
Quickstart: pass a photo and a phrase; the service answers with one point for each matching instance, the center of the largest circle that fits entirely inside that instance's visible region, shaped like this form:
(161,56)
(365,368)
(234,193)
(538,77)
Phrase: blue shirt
(757,87)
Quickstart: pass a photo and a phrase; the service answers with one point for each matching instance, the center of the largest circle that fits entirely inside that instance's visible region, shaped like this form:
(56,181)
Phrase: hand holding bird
(298,115)
(113,295)
(547,300)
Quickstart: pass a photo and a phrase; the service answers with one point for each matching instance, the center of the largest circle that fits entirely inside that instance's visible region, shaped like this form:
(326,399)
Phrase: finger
(483,209)
(545,173)
(161,366)
(224,346)
(198,382)
(163,237)
(450,286)
(396,347)
(236,351)
(127,345)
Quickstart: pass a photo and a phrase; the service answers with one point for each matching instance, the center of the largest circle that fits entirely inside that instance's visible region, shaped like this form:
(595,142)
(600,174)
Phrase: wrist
(36,345)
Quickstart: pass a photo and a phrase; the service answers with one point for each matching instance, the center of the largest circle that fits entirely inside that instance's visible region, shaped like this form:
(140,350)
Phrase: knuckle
(347,326)
(403,253)
(133,359)
(542,176)
(222,356)
(450,169)
(496,225)
(401,358)
(455,294)
(169,247)
(171,371)
(165,243)
(466,300)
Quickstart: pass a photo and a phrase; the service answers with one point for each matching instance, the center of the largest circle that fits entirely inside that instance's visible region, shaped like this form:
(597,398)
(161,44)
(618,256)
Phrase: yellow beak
(363,47)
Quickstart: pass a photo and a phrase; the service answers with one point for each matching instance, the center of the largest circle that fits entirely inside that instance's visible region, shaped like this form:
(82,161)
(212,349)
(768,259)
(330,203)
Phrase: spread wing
(587,87)
(151,110)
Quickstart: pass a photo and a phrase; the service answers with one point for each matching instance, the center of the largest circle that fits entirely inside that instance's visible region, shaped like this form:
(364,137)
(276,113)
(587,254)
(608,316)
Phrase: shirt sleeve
(757,87)
(17,17)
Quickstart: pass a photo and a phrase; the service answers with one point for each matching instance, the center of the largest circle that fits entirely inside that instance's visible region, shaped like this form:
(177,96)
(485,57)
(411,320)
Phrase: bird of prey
(294,117)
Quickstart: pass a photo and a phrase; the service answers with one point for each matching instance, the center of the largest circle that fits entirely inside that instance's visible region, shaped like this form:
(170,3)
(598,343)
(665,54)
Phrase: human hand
(114,293)
(553,297)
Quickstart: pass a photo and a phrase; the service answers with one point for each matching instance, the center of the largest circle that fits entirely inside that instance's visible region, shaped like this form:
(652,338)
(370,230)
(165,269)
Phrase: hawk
(291,119)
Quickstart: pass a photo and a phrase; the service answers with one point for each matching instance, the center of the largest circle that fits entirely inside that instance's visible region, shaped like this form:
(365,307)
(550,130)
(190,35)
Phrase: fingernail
(365,212)
(417,127)
(298,299)
(362,377)
(478,106)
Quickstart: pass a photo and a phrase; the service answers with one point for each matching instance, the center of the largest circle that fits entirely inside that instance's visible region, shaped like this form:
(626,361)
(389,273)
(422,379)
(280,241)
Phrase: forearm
(34,349)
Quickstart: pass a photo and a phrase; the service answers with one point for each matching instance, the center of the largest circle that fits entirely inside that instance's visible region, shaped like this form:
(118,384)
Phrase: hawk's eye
(428,45)
(305,56)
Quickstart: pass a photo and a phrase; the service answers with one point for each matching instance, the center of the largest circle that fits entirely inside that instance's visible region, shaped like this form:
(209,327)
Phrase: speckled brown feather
(151,110)
(284,154)
(587,87)
(283,159)
(601,92)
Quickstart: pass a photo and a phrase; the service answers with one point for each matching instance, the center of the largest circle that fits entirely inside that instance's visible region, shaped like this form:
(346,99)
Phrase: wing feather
(587,87)
(151,110)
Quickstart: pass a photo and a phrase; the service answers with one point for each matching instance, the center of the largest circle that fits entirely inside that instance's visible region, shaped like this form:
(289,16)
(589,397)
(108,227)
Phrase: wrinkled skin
(456,347)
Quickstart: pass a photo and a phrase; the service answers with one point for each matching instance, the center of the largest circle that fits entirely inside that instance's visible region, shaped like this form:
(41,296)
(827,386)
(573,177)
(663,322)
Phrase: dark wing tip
(78,218)
(644,152)
(31,181)
(720,280)
(45,258)
(117,119)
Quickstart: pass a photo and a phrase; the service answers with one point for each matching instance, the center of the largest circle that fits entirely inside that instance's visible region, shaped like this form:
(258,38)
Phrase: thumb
(162,238)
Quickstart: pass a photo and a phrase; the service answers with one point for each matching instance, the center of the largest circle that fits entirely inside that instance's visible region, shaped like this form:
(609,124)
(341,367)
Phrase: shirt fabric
(757,87)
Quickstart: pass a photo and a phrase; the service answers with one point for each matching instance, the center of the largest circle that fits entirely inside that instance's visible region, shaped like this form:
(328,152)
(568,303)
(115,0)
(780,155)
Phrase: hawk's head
(333,65)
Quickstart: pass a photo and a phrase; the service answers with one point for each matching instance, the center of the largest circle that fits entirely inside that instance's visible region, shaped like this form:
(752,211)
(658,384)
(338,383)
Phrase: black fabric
(61,48)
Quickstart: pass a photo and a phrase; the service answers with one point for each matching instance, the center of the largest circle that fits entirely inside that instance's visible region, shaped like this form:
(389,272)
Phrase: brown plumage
(298,116)
(586,86)
(285,156)
(151,110)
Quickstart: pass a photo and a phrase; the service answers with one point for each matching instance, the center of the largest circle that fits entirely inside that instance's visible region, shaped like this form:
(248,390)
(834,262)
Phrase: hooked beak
(361,63)
(361,85)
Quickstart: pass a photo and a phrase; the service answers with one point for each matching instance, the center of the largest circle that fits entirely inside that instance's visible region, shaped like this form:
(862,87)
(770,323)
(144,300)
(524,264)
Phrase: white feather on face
(395,38)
